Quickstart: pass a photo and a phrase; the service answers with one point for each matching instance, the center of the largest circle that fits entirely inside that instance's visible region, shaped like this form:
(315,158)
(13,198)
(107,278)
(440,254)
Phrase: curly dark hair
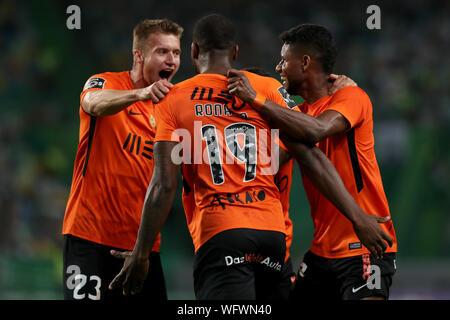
(317,40)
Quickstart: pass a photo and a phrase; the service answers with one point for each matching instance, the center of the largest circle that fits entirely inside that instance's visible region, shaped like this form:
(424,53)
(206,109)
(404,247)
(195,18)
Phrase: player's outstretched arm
(157,204)
(303,127)
(107,102)
(298,125)
(321,172)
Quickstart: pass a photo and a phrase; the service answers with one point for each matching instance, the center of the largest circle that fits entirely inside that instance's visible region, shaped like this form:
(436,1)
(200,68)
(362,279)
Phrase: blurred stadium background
(404,67)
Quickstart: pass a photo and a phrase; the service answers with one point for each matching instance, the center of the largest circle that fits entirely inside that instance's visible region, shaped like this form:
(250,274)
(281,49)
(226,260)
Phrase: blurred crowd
(404,67)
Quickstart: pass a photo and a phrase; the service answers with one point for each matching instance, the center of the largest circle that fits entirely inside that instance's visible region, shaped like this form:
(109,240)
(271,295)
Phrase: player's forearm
(159,198)
(157,204)
(297,125)
(108,102)
(323,175)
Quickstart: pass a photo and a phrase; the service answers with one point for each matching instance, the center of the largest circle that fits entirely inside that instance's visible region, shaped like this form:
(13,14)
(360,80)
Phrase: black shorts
(351,278)
(239,264)
(89,268)
(284,288)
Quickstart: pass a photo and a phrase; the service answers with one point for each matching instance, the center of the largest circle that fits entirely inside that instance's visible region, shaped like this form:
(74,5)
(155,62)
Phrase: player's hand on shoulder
(339,82)
(239,85)
(156,91)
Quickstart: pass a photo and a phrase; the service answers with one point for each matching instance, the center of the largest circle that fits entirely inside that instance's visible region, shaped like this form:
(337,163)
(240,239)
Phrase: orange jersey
(283,180)
(353,155)
(226,149)
(113,167)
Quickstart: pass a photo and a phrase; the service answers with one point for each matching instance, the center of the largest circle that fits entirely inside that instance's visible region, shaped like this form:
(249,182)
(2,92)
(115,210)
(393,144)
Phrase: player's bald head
(214,32)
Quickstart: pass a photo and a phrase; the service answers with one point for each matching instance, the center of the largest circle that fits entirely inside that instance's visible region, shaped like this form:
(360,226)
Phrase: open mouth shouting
(165,74)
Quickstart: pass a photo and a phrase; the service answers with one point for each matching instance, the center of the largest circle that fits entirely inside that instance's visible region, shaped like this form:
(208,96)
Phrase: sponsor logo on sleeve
(287,98)
(95,83)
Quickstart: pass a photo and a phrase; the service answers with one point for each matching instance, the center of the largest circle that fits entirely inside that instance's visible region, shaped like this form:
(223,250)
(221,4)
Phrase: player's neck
(216,70)
(315,88)
(137,79)
(217,64)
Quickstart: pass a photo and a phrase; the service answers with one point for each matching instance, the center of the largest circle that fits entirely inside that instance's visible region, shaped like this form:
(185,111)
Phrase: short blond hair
(145,28)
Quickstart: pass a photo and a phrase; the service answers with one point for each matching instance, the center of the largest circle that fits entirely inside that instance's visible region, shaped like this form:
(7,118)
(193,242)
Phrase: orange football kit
(113,167)
(353,155)
(230,193)
(219,131)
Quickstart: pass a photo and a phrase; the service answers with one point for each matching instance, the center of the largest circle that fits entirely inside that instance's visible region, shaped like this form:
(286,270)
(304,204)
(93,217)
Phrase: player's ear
(235,52)
(137,56)
(194,51)
(306,62)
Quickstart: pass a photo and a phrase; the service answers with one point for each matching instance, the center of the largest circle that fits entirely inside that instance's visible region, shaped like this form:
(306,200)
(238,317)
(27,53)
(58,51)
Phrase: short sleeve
(276,93)
(279,95)
(98,82)
(166,124)
(352,103)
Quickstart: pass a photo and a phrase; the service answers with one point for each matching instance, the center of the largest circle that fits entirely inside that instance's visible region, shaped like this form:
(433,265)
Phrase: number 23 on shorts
(77,281)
